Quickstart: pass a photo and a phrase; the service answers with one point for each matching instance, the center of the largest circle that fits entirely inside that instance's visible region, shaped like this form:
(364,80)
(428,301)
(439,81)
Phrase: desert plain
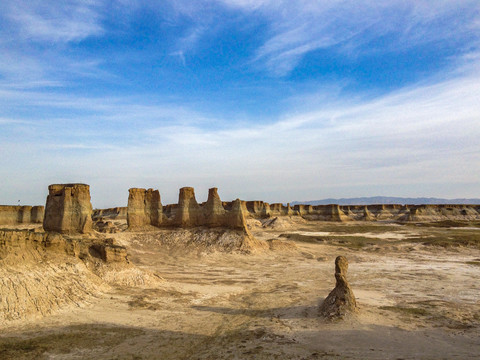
(202,293)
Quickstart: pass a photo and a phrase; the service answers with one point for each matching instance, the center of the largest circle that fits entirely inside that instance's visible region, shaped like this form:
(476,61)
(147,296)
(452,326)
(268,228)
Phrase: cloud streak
(424,134)
(82,117)
(300,27)
(54,21)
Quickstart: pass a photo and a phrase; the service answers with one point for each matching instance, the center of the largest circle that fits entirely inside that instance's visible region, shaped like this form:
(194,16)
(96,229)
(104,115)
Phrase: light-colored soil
(416,302)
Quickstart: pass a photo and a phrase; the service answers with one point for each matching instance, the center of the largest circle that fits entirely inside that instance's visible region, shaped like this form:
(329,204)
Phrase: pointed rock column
(341,301)
(367,215)
(188,211)
(68,209)
(214,211)
(236,217)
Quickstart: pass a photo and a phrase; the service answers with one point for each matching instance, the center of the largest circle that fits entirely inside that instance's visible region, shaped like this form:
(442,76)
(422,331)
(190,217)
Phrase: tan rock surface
(144,208)
(68,209)
(10,215)
(213,209)
(341,301)
(236,217)
(188,212)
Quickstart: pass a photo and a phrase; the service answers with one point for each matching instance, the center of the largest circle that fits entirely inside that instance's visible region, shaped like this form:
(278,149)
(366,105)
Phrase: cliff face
(68,209)
(28,243)
(11,215)
(42,272)
(379,212)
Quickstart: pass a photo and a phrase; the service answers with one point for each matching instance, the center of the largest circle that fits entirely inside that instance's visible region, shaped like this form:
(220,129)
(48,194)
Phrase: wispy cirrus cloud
(64,117)
(424,134)
(35,40)
(54,21)
(297,28)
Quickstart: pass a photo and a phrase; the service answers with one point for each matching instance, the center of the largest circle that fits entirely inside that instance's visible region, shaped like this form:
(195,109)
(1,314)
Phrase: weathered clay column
(213,209)
(236,218)
(367,215)
(335,213)
(144,208)
(341,301)
(188,211)
(68,209)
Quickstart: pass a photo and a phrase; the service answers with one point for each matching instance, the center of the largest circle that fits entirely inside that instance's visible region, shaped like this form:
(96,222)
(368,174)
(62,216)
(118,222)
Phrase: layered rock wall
(144,208)
(28,243)
(68,209)
(11,215)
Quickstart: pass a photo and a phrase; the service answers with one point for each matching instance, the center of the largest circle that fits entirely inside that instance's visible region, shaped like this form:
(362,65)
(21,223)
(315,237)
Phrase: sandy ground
(416,302)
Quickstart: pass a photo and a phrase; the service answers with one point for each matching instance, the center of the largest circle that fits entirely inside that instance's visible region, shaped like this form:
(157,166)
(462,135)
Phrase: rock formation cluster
(68,209)
(145,208)
(341,301)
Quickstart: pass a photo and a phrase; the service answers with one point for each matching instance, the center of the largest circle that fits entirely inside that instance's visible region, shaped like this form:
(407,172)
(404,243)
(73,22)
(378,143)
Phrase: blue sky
(271,100)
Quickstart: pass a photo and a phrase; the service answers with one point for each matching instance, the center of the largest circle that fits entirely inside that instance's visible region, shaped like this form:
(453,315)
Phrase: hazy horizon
(270,100)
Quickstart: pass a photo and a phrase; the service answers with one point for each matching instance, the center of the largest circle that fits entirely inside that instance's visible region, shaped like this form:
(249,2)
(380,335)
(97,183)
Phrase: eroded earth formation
(341,301)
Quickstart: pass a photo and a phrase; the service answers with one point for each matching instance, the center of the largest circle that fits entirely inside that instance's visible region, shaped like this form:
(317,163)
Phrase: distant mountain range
(387,200)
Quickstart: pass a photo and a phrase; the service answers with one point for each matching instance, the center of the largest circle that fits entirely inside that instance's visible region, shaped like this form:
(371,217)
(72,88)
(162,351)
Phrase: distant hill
(387,200)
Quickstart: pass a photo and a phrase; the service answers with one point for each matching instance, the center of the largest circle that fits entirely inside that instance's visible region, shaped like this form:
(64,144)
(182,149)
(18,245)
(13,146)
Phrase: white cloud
(54,21)
(302,26)
(426,134)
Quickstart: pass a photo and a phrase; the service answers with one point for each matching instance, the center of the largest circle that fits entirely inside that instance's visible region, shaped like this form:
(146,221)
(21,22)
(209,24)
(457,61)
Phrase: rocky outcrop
(144,208)
(117,213)
(11,215)
(41,272)
(68,209)
(421,213)
(336,214)
(38,213)
(367,216)
(214,210)
(109,252)
(24,243)
(278,209)
(236,218)
(188,212)
(376,212)
(341,301)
